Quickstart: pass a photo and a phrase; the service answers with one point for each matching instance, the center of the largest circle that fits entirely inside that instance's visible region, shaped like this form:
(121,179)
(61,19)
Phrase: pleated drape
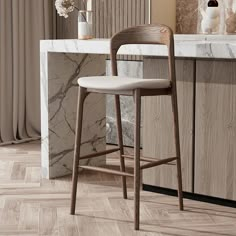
(22,24)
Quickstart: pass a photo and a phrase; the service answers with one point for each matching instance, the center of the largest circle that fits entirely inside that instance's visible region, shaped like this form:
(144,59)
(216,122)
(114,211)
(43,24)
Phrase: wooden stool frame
(144,34)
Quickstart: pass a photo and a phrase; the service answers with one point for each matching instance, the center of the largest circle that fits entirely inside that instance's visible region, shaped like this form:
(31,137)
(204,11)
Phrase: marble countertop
(193,46)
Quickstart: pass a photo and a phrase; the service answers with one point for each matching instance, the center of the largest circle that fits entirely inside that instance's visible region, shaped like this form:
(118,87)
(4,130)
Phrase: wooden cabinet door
(215,142)
(158,125)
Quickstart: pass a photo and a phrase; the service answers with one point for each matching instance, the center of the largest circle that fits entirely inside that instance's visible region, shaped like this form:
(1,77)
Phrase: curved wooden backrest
(145,34)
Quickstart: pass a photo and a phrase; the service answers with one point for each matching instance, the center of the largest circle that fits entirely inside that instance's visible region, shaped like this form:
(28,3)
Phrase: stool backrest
(145,34)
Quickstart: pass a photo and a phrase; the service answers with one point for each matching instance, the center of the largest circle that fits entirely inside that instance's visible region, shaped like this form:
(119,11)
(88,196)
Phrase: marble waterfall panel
(58,125)
(131,69)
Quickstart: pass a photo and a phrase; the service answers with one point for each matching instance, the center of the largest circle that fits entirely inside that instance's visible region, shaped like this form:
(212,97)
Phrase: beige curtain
(22,24)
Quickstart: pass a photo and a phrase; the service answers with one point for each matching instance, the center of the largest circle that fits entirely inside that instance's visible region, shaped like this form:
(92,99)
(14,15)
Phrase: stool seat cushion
(117,83)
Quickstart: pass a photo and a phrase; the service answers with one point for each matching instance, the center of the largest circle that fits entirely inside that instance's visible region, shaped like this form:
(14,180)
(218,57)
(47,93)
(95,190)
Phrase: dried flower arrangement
(85,29)
(64,7)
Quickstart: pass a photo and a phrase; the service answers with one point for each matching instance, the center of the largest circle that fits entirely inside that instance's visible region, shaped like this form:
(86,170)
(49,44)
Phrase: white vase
(85,24)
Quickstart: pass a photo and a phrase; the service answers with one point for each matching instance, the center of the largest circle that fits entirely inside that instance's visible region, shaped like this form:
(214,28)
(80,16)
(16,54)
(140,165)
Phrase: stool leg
(81,97)
(120,142)
(177,145)
(137,100)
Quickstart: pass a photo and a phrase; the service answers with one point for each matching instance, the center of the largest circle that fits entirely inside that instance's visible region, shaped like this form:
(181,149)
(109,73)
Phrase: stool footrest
(97,154)
(146,159)
(158,162)
(108,171)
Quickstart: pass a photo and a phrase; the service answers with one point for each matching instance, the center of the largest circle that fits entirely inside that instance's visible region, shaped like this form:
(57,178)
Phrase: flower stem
(84,4)
(76,8)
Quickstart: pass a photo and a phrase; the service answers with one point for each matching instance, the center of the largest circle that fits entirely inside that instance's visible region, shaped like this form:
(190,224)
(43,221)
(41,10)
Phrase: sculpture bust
(210,18)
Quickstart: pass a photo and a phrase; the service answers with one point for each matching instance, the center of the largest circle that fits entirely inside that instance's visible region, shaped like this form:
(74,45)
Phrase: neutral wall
(164,12)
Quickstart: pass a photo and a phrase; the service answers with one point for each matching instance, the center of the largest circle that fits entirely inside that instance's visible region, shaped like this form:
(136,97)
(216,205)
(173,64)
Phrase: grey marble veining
(193,46)
(131,69)
(59,113)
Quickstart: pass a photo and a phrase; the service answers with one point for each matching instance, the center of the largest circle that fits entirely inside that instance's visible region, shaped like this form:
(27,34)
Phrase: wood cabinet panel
(158,133)
(215,145)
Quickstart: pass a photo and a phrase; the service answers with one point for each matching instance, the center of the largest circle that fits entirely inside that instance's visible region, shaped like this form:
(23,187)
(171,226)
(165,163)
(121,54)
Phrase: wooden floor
(30,206)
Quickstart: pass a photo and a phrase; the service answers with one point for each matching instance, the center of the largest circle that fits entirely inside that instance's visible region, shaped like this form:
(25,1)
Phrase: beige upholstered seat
(116,83)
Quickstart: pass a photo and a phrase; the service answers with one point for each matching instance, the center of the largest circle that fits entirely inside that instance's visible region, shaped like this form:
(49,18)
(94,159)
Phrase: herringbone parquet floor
(30,206)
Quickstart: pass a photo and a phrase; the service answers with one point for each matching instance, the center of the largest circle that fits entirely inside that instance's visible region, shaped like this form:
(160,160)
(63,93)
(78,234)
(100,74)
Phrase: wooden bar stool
(144,34)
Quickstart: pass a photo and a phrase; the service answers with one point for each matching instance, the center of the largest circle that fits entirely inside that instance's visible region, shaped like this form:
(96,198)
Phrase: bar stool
(144,34)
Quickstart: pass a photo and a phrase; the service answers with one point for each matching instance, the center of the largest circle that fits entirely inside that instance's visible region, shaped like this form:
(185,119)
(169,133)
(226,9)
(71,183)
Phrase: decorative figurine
(211,18)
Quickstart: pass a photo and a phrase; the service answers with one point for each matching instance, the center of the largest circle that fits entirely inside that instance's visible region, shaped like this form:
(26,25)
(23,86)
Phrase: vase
(85,24)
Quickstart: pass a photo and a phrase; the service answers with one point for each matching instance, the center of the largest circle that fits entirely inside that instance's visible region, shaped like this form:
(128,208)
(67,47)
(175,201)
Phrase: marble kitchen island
(64,61)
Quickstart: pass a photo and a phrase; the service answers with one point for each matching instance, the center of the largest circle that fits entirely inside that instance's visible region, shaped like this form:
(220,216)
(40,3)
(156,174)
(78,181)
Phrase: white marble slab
(133,69)
(193,46)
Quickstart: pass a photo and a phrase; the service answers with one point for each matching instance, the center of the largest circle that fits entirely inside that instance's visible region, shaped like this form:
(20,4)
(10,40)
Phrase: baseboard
(192,196)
